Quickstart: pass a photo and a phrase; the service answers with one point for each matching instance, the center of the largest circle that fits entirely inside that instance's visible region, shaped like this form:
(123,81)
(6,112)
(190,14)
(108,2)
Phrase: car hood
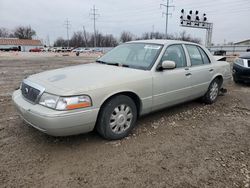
(82,78)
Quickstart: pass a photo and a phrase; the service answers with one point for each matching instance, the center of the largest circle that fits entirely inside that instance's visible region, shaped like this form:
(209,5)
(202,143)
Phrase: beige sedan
(133,79)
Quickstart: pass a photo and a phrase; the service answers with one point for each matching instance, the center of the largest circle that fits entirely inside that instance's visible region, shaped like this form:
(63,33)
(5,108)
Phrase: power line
(166,14)
(94,17)
(67,25)
(214,4)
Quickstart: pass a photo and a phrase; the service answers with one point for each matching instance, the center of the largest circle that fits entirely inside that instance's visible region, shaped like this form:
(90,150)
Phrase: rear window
(197,55)
(204,56)
(194,54)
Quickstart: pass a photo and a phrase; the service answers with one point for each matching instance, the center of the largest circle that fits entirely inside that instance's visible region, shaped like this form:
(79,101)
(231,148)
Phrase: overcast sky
(230,17)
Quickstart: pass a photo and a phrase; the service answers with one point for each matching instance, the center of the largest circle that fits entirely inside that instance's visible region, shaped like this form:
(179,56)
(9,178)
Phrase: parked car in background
(220,52)
(47,49)
(35,50)
(248,50)
(77,50)
(14,48)
(241,69)
(137,78)
(63,49)
(53,49)
(82,50)
(87,50)
(97,50)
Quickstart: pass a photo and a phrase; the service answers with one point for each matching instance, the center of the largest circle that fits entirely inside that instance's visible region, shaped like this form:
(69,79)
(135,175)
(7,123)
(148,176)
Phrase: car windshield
(133,55)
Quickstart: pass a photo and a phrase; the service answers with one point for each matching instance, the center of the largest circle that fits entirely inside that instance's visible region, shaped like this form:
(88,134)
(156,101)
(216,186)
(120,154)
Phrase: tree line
(87,39)
(21,32)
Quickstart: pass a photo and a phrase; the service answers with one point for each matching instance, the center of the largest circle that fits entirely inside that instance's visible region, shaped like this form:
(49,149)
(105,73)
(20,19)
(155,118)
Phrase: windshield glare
(135,55)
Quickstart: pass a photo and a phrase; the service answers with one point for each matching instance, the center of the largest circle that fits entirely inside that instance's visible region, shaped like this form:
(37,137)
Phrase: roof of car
(161,41)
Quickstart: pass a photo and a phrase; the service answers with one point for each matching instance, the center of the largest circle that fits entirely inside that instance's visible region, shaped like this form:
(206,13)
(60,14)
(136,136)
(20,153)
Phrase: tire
(117,118)
(213,92)
(236,80)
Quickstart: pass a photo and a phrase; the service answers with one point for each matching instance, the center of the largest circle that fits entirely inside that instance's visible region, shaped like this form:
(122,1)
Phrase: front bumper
(53,122)
(241,73)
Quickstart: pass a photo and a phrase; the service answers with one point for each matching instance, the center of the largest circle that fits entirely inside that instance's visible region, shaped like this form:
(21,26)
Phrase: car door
(201,70)
(172,86)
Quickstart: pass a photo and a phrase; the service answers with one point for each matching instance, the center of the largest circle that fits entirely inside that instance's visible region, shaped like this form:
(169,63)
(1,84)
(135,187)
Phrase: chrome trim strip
(160,94)
(146,98)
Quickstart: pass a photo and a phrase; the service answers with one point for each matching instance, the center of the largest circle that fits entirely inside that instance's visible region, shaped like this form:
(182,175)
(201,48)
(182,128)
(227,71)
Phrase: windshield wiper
(102,62)
(112,63)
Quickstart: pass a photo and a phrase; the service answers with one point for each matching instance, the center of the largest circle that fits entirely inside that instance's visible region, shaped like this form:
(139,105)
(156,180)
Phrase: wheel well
(132,95)
(220,78)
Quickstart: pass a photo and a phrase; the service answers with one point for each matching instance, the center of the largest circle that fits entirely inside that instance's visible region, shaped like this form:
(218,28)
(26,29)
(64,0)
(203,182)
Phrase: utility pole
(48,41)
(67,25)
(94,17)
(166,14)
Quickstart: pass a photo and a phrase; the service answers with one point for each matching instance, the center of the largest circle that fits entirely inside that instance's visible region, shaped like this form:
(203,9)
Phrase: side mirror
(168,65)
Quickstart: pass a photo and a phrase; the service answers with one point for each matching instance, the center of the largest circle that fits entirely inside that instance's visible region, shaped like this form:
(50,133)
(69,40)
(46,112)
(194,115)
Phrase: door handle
(188,74)
(211,70)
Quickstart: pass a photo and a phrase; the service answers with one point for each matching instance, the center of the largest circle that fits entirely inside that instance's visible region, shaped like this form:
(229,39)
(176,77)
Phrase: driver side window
(175,53)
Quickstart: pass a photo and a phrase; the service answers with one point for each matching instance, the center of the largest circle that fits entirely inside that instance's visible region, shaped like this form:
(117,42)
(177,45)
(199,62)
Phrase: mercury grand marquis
(133,79)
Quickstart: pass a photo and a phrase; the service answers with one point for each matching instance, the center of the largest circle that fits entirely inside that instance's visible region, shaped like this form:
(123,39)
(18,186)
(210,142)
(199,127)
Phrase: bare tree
(187,37)
(110,41)
(85,39)
(181,36)
(145,36)
(126,36)
(60,42)
(152,35)
(77,39)
(24,32)
(4,33)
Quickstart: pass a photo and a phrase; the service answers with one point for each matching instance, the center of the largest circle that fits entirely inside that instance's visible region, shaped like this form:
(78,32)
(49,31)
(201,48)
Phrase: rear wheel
(213,92)
(117,118)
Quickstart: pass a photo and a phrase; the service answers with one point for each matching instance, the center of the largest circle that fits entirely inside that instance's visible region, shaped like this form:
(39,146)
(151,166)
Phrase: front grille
(248,63)
(29,92)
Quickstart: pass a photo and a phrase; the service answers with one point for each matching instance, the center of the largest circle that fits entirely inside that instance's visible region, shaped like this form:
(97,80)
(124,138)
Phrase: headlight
(240,62)
(65,103)
(70,103)
(49,100)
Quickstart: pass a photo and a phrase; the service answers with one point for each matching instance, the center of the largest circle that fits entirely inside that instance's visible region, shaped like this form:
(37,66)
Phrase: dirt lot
(191,145)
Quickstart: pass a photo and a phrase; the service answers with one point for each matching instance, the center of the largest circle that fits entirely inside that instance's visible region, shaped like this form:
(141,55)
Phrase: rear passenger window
(205,58)
(194,55)
(175,53)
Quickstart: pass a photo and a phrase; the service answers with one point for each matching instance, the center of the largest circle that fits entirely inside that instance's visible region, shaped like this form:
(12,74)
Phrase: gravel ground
(190,145)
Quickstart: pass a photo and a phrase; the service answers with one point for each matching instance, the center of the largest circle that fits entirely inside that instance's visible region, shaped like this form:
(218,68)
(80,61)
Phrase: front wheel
(117,118)
(213,92)
(236,80)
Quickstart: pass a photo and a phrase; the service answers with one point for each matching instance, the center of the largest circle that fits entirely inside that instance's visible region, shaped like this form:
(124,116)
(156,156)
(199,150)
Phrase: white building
(23,45)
